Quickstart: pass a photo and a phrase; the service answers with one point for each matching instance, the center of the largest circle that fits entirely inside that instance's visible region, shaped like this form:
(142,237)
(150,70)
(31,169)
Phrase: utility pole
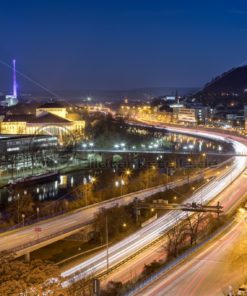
(107,243)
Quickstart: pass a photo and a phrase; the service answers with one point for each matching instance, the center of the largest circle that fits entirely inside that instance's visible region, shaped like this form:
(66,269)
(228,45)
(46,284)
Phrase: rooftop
(46,118)
(52,105)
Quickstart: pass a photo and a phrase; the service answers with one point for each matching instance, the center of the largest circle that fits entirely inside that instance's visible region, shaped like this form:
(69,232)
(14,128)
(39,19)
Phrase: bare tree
(193,224)
(176,240)
(35,278)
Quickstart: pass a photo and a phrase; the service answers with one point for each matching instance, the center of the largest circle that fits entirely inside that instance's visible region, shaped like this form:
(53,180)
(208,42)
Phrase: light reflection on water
(64,184)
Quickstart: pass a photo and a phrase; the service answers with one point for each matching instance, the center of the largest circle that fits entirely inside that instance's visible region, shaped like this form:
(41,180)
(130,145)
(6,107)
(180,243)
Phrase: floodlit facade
(47,117)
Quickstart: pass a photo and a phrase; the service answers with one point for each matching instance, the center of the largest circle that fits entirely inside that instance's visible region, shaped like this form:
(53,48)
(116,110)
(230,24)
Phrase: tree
(176,239)
(114,289)
(18,277)
(80,286)
(151,268)
(21,204)
(85,191)
(118,219)
(193,226)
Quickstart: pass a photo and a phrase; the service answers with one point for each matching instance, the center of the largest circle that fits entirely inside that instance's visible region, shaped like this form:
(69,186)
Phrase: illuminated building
(50,116)
(17,151)
(53,108)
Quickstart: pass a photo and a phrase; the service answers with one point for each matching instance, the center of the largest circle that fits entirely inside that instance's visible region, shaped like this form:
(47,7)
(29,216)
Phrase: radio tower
(14,81)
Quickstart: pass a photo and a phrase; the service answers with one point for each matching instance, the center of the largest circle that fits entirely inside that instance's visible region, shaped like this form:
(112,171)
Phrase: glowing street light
(23,219)
(37,211)
(93,180)
(128,172)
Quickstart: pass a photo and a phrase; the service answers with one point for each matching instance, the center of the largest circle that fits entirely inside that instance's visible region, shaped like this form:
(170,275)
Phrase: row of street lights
(122,181)
(23,216)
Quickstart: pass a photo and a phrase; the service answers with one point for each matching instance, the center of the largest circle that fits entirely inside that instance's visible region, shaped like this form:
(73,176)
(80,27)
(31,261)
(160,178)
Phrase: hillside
(233,81)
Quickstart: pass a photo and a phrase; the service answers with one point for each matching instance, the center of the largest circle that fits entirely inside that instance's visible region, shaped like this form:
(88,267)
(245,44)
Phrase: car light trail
(145,236)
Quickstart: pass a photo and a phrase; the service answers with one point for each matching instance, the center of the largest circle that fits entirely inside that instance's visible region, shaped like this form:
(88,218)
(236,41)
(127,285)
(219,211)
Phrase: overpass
(27,239)
(135,243)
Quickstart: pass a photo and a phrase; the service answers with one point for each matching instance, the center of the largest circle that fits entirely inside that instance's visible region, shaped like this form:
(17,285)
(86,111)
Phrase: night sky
(121,44)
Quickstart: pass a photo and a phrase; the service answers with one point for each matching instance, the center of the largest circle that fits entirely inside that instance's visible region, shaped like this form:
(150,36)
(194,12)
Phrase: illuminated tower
(14,81)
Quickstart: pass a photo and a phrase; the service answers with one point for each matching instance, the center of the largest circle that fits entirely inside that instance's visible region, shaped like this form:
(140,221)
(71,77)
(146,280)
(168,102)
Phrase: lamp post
(23,219)
(37,211)
(107,243)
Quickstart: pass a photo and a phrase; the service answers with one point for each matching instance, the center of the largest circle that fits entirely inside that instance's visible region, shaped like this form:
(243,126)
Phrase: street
(143,237)
(210,271)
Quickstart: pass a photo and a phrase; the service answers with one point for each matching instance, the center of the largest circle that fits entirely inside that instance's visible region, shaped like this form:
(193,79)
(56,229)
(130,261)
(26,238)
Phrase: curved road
(209,272)
(143,237)
(229,199)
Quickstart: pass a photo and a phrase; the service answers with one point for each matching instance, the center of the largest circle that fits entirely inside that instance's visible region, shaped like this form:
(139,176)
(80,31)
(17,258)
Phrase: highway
(145,236)
(24,240)
(229,198)
(210,271)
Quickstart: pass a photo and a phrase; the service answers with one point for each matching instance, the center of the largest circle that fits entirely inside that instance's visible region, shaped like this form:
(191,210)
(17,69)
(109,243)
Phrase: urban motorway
(145,236)
(209,272)
(229,199)
(24,239)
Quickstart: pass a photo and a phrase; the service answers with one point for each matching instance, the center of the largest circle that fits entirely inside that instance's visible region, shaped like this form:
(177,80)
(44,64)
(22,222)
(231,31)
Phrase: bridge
(25,240)
(157,151)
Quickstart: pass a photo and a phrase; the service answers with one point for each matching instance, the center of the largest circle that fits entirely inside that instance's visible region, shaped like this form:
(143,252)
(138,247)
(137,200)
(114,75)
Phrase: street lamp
(37,210)
(23,219)
(127,172)
(93,180)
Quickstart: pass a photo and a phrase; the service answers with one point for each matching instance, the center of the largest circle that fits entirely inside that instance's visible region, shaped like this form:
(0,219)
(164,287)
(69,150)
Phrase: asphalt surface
(145,236)
(209,272)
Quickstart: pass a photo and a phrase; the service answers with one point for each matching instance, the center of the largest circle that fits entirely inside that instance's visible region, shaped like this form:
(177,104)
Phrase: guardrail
(100,205)
(48,237)
(150,280)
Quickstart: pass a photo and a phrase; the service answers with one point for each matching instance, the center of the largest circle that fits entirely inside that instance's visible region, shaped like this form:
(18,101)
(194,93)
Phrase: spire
(14,81)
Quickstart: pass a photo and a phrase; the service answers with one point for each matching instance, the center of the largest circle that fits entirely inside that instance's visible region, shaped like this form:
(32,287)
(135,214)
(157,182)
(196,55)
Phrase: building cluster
(177,113)
(172,110)
(26,138)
